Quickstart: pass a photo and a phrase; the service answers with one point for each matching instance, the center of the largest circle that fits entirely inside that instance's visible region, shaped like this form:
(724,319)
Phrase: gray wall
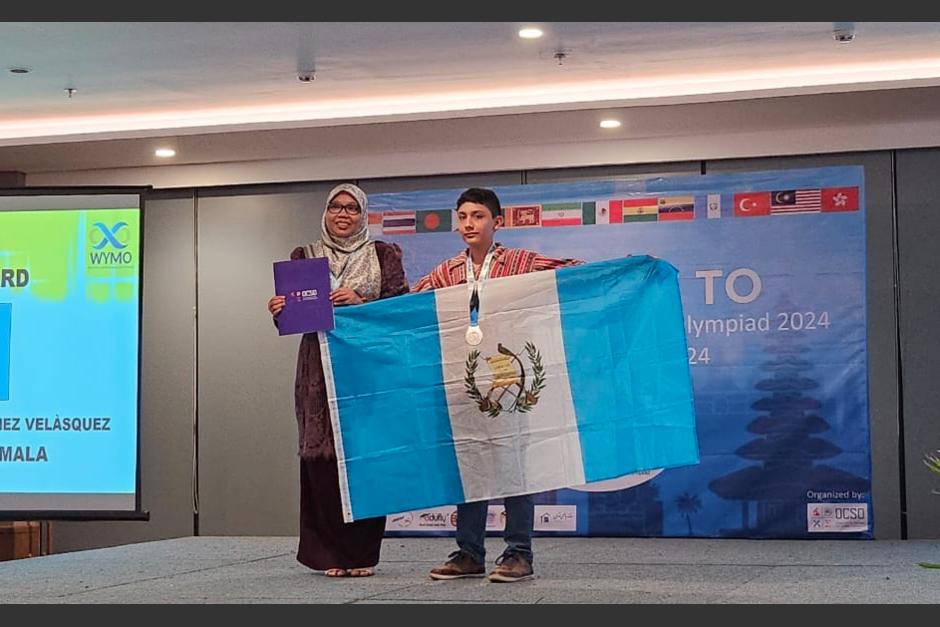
(247,432)
(167,358)
(12,179)
(246,429)
(918,188)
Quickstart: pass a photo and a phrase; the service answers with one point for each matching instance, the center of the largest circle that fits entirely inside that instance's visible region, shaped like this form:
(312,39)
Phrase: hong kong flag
(752,204)
(840,199)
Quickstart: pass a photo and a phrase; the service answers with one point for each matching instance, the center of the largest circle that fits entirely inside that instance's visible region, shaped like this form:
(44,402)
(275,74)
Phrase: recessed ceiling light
(610,123)
(165,153)
(19,70)
(530,33)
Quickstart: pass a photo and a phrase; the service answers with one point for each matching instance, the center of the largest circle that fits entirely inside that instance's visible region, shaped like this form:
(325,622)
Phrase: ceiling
(229,92)
(144,79)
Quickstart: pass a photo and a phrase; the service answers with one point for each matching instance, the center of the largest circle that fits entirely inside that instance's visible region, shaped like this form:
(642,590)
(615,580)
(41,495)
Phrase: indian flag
(640,210)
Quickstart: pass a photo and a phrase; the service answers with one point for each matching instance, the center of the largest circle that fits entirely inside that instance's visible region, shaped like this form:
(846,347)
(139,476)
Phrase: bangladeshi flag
(434,220)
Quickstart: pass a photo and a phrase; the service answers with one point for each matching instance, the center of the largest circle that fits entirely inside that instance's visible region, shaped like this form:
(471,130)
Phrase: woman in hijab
(362,270)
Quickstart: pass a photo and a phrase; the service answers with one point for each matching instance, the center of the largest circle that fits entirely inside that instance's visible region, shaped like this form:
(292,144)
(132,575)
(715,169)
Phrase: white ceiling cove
(134,80)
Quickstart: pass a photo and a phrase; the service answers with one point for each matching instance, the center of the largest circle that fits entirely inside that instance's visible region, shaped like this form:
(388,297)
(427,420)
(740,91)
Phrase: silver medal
(474,335)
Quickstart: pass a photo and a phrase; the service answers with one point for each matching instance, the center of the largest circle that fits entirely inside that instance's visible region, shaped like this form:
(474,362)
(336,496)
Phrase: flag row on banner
(633,209)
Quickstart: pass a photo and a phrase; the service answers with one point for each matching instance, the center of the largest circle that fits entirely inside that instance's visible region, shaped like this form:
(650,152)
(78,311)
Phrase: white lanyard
(476,285)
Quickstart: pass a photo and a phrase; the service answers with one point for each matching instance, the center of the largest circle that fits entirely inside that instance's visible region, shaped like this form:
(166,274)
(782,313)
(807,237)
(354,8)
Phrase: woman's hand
(345,296)
(276,304)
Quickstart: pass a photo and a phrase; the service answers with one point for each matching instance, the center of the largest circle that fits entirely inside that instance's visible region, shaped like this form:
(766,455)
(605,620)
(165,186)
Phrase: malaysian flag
(796,201)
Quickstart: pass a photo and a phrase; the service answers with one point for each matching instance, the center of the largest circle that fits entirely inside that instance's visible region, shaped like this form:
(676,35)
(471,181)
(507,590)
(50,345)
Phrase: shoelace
(505,556)
(455,555)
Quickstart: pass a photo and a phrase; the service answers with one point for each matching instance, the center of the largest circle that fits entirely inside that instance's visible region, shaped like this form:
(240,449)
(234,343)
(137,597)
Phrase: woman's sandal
(361,572)
(336,572)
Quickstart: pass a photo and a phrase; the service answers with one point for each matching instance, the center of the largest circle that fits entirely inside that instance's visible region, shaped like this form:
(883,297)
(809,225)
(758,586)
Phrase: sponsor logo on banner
(556,517)
(836,517)
(436,519)
(433,519)
(547,518)
(495,518)
(400,521)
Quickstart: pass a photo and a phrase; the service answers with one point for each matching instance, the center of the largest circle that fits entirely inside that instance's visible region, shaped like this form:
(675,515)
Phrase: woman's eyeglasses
(336,208)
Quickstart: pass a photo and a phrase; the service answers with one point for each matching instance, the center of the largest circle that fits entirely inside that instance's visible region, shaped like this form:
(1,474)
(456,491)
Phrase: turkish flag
(840,199)
(752,204)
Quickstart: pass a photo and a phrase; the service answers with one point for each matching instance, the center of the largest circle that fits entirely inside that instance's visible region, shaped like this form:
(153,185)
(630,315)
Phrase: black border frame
(142,192)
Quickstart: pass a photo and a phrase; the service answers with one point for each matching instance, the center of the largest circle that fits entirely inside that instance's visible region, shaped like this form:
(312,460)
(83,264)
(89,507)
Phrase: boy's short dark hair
(482,196)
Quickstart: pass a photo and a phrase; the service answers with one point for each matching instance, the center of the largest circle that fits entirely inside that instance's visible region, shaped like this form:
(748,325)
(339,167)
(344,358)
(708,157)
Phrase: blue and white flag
(582,375)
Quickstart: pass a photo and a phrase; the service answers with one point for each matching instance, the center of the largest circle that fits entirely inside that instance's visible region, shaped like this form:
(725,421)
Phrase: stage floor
(568,570)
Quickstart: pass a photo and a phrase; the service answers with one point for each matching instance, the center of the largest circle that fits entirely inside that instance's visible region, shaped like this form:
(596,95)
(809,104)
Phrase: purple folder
(305,283)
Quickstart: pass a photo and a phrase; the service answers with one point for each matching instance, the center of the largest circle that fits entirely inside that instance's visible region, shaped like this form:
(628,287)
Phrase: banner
(772,278)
